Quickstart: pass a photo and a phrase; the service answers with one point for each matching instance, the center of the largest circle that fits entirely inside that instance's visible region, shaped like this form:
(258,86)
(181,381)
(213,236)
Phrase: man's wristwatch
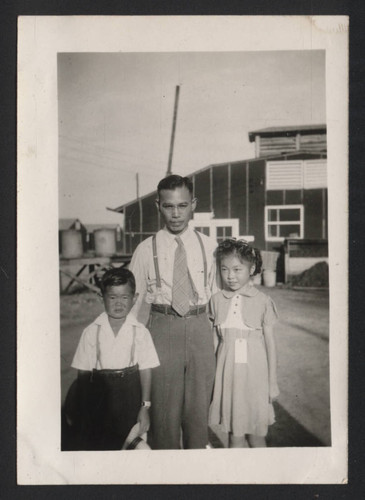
(146,404)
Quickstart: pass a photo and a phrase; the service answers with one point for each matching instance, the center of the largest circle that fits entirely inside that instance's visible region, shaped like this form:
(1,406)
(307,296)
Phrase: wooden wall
(202,190)
(220,191)
(239,195)
(139,224)
(235,190)
(276,145)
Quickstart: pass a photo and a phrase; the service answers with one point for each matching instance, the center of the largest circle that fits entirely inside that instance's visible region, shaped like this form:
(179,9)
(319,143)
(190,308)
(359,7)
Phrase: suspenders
(157,268)
(155,262)
(132,363)
(133,348)
(204,259)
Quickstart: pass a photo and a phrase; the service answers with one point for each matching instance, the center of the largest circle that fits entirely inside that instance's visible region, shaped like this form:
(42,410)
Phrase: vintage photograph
(241,139)
(190,193)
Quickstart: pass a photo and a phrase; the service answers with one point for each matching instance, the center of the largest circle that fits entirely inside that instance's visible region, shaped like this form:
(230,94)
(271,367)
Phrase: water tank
(71,244)
(269,278)
(105,242)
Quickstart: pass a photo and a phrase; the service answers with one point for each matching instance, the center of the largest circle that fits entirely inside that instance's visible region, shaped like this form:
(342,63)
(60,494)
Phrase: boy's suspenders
(98,360)
(157,269)
(133,348)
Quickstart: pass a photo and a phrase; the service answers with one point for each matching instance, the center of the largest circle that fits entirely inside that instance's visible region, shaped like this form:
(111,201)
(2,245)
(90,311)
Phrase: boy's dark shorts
(107,406)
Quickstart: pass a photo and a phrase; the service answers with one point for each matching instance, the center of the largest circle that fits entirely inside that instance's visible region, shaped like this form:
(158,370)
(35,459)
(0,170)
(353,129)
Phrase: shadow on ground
(286,432)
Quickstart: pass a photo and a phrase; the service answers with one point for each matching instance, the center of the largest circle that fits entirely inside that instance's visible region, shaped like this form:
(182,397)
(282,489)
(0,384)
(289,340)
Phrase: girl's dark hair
(243,251)
(117,276)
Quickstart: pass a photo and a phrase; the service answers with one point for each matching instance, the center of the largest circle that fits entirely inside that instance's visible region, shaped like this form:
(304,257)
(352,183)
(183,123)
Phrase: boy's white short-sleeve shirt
(115,350)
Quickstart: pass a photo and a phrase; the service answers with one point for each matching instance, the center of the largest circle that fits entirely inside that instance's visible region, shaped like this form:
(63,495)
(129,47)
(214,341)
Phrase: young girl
(245,381)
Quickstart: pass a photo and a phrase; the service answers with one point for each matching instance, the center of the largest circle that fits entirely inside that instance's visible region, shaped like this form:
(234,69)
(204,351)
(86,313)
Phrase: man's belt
(165,309)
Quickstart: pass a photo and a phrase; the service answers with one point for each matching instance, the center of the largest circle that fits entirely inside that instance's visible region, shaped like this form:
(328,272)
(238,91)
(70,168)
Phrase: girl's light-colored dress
(241,391)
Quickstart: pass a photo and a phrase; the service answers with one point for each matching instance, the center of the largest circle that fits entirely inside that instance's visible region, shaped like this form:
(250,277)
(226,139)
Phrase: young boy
(114,357)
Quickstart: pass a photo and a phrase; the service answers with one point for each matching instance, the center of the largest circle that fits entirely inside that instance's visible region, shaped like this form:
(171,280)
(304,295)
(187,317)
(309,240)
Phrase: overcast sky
(115,117)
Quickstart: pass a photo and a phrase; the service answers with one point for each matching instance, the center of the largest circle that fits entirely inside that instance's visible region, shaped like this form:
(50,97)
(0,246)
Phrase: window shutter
(284,175)
(315,174)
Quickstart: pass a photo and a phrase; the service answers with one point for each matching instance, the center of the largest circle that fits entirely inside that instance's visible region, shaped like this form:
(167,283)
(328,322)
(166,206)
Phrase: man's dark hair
(117,276)
(175,181)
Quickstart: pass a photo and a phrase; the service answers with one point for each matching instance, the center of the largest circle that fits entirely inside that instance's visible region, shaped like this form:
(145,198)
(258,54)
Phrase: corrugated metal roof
(262,158)
(288,131)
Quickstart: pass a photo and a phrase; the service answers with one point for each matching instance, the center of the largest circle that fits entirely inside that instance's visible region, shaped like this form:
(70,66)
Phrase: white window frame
(214,223)
(283,223)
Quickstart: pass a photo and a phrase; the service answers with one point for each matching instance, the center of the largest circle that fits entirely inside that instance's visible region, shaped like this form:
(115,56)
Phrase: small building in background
(273,140)
(278,195)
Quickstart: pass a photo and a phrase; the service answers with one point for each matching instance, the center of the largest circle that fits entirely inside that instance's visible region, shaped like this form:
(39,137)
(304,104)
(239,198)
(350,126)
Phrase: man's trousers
(182,384)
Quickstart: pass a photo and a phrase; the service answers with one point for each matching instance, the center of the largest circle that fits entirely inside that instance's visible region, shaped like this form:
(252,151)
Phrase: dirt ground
(302,336)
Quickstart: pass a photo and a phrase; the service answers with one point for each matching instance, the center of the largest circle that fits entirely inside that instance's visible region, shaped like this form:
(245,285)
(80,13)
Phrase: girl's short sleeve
(270,312)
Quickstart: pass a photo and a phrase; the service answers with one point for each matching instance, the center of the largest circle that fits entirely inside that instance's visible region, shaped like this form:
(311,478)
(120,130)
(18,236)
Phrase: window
(223,232)
(283,221)
(218,229)
(203,229)
(298,174)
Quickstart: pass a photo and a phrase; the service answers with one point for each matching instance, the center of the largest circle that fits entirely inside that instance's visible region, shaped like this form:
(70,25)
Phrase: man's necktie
(181,286)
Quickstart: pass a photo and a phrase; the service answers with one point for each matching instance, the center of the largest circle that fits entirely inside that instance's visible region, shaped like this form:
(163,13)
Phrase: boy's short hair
(117,276)
(175,181)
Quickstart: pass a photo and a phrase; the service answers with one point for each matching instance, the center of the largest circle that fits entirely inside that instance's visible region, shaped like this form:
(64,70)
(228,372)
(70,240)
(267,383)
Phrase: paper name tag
(240,351)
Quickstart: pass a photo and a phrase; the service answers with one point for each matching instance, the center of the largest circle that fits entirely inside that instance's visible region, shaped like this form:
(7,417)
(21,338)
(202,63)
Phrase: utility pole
(177,90)
(137,185)
(140,209)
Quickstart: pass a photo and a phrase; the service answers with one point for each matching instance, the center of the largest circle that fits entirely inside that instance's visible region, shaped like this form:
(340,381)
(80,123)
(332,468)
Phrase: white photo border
(40,38)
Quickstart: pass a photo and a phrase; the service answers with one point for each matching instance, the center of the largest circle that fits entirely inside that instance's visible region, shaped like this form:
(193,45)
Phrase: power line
(119,161)
(87,144)
(103,166)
